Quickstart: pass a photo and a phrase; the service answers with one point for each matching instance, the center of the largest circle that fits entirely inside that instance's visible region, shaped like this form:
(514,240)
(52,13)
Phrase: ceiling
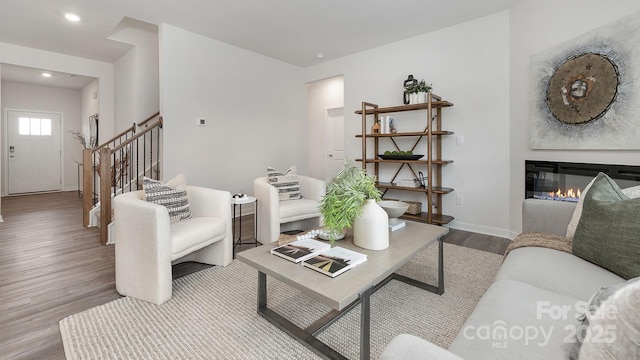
(29,75)
(293,31)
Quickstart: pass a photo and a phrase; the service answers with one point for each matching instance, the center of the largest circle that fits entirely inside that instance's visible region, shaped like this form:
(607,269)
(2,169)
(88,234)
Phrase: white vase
(422,97)
(413,98)
(371,228)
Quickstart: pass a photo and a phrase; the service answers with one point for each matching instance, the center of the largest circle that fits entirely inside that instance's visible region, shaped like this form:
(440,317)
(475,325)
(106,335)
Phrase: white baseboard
(487,230)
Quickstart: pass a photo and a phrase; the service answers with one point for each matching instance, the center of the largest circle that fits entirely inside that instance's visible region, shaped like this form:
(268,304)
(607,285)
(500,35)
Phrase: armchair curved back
(274,215)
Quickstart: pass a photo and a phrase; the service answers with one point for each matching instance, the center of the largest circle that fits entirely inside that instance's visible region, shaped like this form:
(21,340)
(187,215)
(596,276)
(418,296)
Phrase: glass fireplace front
(564,181)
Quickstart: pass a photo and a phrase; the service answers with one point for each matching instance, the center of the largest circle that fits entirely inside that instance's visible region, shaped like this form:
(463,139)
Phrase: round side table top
(243,200)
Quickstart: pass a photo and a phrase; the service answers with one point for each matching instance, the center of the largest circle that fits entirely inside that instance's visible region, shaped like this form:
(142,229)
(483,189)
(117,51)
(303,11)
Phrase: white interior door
(335,142)
(33,152)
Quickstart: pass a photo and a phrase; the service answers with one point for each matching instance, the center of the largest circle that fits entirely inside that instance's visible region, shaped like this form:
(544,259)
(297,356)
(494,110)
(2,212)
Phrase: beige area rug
(212,314)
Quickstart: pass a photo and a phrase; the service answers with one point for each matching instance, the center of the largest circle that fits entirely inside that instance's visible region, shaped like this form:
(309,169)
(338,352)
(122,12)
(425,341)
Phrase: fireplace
(564,181)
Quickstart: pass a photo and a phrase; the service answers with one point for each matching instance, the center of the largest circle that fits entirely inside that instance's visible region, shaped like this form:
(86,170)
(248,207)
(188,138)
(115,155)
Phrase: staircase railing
(118,166)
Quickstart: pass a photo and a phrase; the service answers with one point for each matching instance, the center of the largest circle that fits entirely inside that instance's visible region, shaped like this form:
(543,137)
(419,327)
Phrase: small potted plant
(411,92)
(351,201)
(422,89)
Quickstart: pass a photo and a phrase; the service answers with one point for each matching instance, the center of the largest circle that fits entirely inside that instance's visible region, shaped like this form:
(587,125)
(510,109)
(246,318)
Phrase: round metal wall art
(582,88)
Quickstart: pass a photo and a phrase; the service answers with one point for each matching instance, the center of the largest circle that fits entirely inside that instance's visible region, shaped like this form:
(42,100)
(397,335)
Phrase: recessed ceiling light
(319,56)
(46,74)
(72,17)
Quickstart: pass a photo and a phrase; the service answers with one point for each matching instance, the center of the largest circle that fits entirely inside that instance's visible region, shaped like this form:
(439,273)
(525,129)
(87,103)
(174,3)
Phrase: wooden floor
(52,267)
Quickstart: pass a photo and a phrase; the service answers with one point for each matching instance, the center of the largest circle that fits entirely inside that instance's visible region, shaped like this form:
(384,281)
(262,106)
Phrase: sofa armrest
(311,188)
(547,216)
(405,346)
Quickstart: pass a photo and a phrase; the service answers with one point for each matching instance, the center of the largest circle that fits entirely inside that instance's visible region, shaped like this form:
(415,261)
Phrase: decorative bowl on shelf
(400,157)
(393,208)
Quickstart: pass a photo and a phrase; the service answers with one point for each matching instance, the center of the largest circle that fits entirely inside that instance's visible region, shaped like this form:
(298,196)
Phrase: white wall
(254,107)
(125,90)
(322,95)
(23,96)
(136,74)
(537,26)
(90,106)
(467,64)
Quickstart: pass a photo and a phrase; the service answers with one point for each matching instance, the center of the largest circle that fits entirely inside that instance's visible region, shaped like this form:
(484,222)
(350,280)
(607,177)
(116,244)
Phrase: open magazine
(335,261)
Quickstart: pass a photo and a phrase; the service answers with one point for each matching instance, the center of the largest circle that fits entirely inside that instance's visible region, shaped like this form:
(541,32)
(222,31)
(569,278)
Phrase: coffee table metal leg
(365,324)
(291,329)
(262,291)
(439,290)
(307,337)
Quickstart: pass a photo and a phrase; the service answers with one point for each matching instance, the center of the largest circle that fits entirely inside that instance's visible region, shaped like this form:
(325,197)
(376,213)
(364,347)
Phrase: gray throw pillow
(614,329)
(608,233)
(286,182)
(172,195)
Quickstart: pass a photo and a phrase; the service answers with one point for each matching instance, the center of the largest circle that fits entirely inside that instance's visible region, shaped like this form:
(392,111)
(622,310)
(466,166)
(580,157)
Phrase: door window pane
(45,127)
(34,126)
(23,126)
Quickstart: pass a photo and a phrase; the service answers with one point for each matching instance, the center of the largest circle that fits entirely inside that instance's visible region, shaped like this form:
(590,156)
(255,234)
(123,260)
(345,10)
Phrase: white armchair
(147,244)
(275,216)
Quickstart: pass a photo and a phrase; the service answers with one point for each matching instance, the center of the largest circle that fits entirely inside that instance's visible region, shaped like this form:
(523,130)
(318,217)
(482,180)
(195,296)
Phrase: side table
(237,203)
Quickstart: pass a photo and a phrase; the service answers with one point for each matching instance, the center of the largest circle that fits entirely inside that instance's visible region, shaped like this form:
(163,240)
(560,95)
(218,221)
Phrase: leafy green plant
(345,195)
(412,89)
(423,87)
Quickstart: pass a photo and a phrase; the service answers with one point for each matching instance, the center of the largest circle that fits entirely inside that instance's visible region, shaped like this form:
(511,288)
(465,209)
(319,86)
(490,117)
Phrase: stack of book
(335,261)
(300,250)
(320,256)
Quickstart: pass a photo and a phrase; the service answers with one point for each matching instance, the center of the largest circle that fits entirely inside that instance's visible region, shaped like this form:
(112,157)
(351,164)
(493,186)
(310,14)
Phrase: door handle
(11,149)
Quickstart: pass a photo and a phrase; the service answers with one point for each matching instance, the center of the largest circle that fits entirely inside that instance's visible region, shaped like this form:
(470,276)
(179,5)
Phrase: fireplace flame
(570,193)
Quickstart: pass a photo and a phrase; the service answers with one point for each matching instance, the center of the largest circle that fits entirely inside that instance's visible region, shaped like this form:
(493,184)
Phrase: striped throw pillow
(172,195)
(286,182)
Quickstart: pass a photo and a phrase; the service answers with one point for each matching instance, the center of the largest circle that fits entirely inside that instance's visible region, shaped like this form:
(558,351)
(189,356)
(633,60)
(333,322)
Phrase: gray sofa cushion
(608,233)
(514,320)
(405,347)
(556,271)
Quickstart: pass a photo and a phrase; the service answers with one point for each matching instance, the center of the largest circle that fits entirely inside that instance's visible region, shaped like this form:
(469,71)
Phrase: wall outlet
(459,199)
(201,121)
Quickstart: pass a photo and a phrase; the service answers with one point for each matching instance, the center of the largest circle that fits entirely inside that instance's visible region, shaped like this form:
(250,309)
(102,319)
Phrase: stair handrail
(145,121)
(138,135)
(98,160)
(131,129)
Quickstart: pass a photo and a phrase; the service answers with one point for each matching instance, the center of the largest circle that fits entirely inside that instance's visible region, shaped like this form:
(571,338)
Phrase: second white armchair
(275,216)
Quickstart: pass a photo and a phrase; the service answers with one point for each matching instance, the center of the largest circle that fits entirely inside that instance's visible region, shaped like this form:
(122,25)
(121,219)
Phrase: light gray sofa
(530,310)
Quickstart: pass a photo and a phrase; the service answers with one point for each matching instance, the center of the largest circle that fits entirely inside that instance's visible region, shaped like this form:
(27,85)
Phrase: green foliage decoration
(345,195)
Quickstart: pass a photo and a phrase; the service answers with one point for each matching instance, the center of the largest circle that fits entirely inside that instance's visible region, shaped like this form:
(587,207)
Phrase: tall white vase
(371,228)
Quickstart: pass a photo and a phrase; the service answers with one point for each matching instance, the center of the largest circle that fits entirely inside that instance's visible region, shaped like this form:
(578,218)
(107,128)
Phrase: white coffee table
(347,290)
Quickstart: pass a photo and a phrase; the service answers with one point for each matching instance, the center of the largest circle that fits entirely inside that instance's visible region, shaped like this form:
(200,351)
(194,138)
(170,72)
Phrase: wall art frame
(585,92)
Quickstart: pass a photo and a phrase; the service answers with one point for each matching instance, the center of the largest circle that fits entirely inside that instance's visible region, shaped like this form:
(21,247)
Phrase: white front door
(33,151)
(335,142)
